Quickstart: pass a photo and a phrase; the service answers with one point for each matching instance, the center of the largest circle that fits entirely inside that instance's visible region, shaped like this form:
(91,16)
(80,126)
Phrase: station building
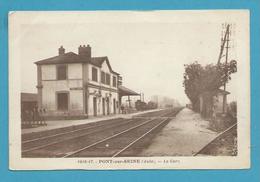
(71,84)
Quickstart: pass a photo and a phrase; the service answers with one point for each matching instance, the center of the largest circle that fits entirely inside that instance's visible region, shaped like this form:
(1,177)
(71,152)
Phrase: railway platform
(66,123)
(183,136)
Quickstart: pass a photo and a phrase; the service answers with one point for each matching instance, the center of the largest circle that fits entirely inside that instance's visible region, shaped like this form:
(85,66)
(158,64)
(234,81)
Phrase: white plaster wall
(90,106)
(90,102)
(51,87)
(104,94)
(48,99)
(75,71)
(76,100)
(90,75)
(48,72)
(104,68)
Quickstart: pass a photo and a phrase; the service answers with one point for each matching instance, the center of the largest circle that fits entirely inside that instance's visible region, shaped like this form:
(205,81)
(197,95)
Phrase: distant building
(164,102)
(28,105)
(71,84)
(214,102)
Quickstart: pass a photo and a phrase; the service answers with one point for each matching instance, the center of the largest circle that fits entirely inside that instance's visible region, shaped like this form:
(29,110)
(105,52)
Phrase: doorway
(95,106)
(86,103)
(114,105)
(103,106)
(108,109)
(63,101)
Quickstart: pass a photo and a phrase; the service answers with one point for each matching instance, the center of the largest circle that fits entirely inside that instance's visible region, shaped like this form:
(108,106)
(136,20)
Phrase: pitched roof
(224,92)
(123,91)
(72,57)
(218,91)
(98,61)
(28,97)
(69,57)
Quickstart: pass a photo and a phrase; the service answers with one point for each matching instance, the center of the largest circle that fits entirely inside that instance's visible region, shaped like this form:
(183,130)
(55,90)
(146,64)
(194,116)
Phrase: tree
(199,79)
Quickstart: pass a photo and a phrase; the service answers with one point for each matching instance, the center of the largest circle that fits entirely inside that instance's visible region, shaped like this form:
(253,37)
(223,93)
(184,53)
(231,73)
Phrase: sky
(148,49)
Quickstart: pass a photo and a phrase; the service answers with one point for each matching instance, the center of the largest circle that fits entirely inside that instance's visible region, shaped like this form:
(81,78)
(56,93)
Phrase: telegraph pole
(225,41)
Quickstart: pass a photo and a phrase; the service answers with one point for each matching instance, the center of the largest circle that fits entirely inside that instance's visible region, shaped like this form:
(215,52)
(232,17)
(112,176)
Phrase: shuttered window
(107,79)
(61,72)
(103,77)
(94,74)
(114,81)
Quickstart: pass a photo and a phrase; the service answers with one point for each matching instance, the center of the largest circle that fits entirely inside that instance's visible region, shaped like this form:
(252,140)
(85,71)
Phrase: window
(114,81)
(94,74)
(103,77)
(63,101)
(107,79)
(61,72)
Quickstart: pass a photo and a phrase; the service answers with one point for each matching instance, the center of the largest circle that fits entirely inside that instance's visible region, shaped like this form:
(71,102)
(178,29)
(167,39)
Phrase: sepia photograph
(129,90)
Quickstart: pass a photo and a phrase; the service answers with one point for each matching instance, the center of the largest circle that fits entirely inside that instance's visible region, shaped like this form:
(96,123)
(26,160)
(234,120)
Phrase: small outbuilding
(28,101)
(213,103)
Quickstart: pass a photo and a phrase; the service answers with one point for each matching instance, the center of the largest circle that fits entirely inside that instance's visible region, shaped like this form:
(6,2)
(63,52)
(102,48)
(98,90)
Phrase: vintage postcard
(129,90)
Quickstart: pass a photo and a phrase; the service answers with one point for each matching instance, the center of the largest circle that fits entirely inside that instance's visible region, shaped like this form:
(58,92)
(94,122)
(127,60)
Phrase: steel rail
(139,138)
(146,133)
(60,141)
(108,138)
(64,133)
(68,132)
(219,135)
(105,139)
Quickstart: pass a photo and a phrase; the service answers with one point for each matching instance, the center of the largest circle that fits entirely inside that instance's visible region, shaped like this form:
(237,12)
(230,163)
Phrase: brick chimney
(85,51)
(61,50)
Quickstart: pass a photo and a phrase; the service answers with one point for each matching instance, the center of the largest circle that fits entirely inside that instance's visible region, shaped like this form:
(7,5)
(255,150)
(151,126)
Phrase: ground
(184,135)
(187,134)
(225,145)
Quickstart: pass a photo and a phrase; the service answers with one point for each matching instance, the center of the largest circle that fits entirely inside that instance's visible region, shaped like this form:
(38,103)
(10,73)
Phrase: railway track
(75,142)
(42,142)
(48,133)
(116,145)
(220,135)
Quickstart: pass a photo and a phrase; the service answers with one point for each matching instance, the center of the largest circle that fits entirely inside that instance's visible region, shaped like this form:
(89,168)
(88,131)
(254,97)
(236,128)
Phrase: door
(63,101)
(114,105)
(86,103)
(95,106)
(108,109)
(103,106)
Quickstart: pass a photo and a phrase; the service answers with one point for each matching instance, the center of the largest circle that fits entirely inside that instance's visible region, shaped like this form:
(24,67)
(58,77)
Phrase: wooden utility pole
(225,45)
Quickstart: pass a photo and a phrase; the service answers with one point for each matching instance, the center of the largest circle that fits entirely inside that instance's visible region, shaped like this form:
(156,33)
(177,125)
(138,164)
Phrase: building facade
(71,84)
